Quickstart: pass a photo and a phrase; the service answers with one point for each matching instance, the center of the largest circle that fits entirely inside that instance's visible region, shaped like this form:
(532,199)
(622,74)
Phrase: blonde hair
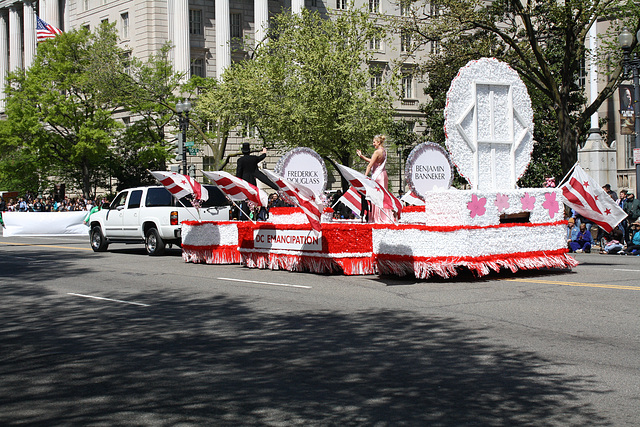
(380,138)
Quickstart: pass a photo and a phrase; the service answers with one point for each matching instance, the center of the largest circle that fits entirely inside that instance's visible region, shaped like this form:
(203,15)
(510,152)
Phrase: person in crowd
(3,204)
(633,248)
(23,206)
(632,208)
(611,243)
(583,240)
(37,205)
(377,168)
(607,189)
(624,225)
(572,232)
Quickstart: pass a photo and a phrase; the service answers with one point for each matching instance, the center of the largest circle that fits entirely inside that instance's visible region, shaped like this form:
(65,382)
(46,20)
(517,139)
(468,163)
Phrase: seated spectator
(572,232)
(583,240)
(611,243)
(633,248)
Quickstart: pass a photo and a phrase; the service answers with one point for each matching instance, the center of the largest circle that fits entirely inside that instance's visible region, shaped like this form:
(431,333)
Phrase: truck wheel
(153,242)
(98,242)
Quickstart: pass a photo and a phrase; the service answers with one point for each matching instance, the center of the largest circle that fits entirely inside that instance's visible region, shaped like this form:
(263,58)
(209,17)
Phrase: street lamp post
(632,65)
(183,109)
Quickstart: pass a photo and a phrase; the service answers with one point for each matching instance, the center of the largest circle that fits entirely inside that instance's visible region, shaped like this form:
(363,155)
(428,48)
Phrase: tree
(147,91)
(443,67)
(56,109)
(544,41)
(308,85)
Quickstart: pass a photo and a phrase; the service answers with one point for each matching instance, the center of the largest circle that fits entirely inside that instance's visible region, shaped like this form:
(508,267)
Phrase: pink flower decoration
(551,204)
(502,202)
(476,206)
(528,202)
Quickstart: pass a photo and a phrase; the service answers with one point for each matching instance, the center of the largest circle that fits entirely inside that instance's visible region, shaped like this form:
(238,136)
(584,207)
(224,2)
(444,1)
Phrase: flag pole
(191,213)
(568,173)
(243,212)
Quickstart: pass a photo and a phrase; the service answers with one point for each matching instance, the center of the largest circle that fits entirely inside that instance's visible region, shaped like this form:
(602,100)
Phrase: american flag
(304,196)
(587,198)
(45,31)
(237,189)
(351,199)
(381,197)
(181,185)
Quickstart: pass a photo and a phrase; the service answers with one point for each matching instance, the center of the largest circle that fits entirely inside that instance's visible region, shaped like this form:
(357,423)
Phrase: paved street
(120,338)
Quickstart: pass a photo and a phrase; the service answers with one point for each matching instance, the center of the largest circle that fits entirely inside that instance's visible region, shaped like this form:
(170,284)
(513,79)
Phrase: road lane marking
(264,283)
(623,269)
(108,299)
(45,246)
(585,285)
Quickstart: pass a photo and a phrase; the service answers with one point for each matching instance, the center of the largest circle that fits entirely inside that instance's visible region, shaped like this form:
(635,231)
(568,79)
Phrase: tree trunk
(86,180)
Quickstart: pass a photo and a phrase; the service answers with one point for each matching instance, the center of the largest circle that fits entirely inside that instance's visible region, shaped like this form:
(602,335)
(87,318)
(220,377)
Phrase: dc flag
(583,194)
(45,31)
(181,185)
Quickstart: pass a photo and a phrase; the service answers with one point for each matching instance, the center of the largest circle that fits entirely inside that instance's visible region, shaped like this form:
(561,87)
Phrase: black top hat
(246,148)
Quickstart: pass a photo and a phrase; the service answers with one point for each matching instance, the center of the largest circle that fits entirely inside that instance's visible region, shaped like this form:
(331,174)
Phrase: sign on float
(299,240)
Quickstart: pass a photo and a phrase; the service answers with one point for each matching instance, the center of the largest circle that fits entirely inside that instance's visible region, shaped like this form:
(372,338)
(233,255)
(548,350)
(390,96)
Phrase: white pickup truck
(151,215)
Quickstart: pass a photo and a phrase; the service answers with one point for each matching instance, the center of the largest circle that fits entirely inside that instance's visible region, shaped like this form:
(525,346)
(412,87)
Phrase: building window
(195,22)
(85,5)
(124,25)
(374,6)
(314,3)
(582,73)
(104,21)
(236,25)
(341,4)
(126,62)
(405,8)
(405,41)
(197,67)
(407,86)
(629,145)
(375,81)
(375,44)
(435,47)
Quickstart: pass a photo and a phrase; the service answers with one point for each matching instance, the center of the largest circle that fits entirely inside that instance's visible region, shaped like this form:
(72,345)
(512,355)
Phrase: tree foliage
(545,41)
(307,85)
(62,114)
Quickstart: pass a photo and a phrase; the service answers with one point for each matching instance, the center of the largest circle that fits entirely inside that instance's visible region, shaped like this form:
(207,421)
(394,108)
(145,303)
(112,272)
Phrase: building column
(15,42)
(29,18)
(261,17)
(182,50)
(51,12)
(297,6)
(4,55)
(223,37)
(596,157)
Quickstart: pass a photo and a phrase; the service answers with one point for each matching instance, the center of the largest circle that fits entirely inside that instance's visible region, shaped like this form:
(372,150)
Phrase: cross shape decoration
(493,129)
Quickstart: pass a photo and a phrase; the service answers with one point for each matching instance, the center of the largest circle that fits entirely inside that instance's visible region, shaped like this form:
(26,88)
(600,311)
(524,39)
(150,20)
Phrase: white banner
(299,240)
(44,223)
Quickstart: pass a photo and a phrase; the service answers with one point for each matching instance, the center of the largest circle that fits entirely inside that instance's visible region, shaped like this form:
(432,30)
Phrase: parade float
(492,226)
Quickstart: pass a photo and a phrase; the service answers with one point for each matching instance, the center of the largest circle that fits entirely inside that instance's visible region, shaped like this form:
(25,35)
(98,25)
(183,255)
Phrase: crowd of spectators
(623,240)
(29,203)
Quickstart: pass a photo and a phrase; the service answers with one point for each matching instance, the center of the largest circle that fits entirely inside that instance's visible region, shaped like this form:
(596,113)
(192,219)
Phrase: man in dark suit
(247,165)
(247,169)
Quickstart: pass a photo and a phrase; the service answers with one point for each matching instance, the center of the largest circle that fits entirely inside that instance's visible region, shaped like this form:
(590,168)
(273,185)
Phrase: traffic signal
(178,148)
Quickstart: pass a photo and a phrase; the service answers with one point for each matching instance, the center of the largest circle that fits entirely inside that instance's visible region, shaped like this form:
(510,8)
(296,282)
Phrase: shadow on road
(219,361)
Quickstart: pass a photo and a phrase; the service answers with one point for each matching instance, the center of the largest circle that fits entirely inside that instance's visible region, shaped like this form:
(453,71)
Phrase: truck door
(131,222)
(115,216)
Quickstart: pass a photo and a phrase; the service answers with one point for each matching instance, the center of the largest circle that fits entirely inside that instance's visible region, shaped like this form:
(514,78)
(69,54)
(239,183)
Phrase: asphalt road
(120,338)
